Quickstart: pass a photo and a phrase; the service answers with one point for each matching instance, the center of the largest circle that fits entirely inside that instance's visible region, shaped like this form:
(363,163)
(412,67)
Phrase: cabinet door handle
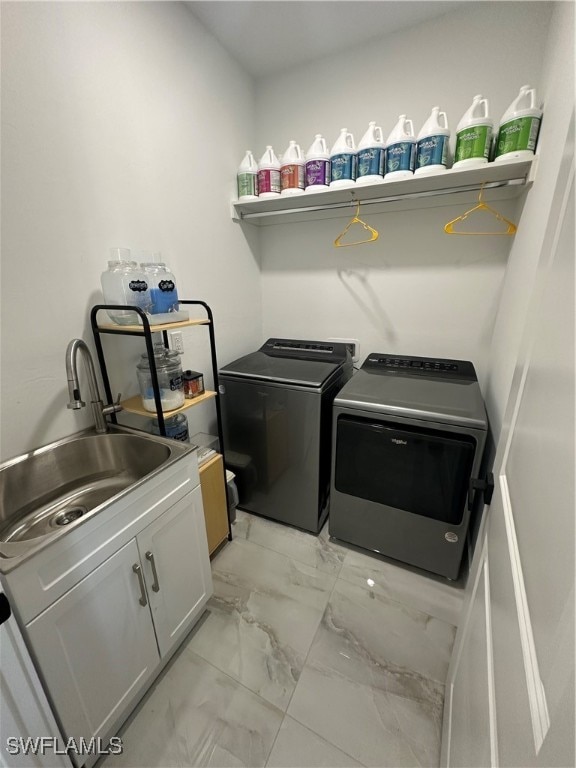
(138,571)
(156,585)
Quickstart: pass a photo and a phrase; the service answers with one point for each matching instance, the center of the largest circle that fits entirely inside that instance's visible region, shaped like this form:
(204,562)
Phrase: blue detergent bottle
(343,160)
(400,151)
(370,166)
(432,144)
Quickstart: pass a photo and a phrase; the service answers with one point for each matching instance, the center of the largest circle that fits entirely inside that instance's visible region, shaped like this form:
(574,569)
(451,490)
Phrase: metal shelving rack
(132,405)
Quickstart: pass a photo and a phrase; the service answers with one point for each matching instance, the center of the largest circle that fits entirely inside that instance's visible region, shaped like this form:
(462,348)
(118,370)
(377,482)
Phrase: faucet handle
(114,408)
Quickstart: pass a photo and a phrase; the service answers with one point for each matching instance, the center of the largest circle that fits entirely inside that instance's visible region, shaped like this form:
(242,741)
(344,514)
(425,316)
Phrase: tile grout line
(285,713)
(338,576)
(395,600)
(302,670)
(329,743)
(284,554)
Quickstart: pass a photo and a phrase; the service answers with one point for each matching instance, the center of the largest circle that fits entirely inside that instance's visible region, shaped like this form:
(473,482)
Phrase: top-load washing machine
(277,424)
(408,439)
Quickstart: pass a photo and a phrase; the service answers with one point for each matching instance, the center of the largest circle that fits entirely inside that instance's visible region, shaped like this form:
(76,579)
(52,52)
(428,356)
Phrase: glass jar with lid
(162,283)
(176,427)
(169,371)
(125,283)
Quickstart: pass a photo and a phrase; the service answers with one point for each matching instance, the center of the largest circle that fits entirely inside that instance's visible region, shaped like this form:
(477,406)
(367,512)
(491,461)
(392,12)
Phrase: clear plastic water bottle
(125,283)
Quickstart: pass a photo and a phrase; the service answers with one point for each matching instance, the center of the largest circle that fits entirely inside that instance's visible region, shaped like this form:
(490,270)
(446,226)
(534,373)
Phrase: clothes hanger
(356,220)
(481,206)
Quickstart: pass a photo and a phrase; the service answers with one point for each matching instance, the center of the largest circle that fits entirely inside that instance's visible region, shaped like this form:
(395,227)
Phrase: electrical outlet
(176,341)
(353,347)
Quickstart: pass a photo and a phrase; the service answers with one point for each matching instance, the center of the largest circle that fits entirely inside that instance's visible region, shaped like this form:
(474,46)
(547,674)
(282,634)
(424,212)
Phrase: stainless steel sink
(52,489)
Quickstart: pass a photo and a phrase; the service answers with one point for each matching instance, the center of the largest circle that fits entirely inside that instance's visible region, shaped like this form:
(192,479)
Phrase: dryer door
(423,471)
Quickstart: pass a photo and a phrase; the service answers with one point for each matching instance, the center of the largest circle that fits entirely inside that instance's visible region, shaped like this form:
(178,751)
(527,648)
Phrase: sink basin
(52,489)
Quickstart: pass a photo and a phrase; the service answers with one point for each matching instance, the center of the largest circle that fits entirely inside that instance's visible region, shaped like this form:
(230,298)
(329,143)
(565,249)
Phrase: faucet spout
(98,409)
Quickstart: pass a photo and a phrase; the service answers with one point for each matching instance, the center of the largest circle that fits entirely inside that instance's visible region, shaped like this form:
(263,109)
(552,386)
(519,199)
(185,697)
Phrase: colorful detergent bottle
(400,151)
(317,174)
(292,171)
(519,127)
(432,144)
(343,160)
(474,135)
(370,164)
(247,178)
(268,175)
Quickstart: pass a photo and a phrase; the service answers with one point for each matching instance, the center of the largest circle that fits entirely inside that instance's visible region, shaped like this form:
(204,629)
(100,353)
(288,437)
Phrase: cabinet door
(174,554)
(214,502)
(95,646)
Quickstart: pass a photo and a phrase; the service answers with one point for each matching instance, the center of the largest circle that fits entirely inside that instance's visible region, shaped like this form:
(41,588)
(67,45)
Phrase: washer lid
(447,399)
(290,361)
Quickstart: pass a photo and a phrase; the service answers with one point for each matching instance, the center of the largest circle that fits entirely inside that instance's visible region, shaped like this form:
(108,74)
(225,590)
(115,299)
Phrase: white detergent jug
(432,144)
(268,174)
(474,135)
(370,165)
(519,127)
(343,160)
(400,151)
(292,171)
(247,178)
(317,174)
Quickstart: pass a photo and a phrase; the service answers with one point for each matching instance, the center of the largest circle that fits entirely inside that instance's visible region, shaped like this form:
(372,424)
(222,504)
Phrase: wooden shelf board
(207,464)
(153,328)
(134,405)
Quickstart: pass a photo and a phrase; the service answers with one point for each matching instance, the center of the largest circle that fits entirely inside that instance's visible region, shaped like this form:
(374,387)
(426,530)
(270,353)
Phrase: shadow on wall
(252,236)
(54,420)
(51,415)
(408,240)
(357,283)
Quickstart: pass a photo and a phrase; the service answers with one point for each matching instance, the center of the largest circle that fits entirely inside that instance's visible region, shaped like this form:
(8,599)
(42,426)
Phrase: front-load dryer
(277,422)
(408,439)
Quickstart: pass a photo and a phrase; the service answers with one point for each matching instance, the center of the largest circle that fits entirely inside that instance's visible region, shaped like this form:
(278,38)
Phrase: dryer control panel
(378,362)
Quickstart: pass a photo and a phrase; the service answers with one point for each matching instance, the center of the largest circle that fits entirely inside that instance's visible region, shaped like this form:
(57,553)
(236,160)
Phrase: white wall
(558,94)
(415,290)
(122,125)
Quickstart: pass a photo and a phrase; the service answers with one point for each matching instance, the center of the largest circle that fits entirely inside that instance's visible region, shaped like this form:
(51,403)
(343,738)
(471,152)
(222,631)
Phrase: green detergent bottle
(474,135)
(519,128)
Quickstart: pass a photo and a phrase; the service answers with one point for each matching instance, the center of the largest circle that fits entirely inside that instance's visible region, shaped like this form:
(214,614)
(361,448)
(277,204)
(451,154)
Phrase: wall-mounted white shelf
(501,181)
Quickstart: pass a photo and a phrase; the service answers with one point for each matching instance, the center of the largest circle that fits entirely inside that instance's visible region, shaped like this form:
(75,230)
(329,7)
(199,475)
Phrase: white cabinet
(24,709)
(176,569)
(102,642)
(96,647)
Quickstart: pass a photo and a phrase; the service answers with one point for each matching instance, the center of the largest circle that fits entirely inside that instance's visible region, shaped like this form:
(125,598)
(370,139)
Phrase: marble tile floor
(310,654)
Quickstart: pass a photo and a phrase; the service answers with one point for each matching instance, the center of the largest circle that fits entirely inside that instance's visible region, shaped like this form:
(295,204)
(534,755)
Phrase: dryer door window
(425,472)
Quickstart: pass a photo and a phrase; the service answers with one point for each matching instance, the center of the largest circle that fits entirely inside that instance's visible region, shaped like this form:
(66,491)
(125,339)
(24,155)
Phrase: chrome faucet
(99,410)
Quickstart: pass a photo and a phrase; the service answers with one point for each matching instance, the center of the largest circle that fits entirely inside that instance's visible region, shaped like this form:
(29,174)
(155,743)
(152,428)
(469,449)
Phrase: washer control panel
(306,350)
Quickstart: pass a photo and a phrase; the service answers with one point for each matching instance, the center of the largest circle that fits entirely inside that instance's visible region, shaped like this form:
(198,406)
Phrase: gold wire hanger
(356,220)
(481,206)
